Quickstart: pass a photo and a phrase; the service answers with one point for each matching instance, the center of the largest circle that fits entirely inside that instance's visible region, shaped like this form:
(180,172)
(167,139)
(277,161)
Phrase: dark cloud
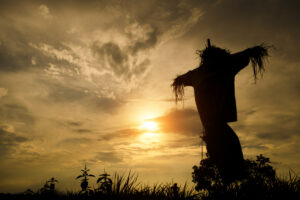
(162,15)
(149,42)
(116,59)
(271,136)
(9,141)
(15,112)
(109,156)
(277,128)
(147,24)
(185,121)
(23,35)
(59,92)
(120,134)
(113,55)
(20,55)
(274,22)
(76,127)
(107,105)
(12,61)
(257,147)
(17,54)
(74,123)
(176,156)
(82,130)
(183,142)
(71,142)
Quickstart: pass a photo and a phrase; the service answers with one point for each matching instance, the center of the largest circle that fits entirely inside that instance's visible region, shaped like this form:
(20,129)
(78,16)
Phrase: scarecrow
(213,83)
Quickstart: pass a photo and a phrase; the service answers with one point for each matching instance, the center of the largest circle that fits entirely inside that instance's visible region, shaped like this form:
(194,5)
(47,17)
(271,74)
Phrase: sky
(88,82)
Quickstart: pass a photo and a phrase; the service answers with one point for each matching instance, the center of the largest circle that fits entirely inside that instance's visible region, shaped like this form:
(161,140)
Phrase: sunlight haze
(89,82)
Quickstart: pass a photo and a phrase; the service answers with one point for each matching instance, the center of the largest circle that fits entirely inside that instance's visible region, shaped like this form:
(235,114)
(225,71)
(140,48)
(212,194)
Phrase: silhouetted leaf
(100,179)
(80,176)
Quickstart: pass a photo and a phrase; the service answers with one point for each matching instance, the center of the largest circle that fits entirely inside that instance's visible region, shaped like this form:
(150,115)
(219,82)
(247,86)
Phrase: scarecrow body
(214,89)
(213,83)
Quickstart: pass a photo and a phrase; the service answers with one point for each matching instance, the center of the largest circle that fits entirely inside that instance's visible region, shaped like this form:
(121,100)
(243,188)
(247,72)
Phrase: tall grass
(125,187)
(261,183)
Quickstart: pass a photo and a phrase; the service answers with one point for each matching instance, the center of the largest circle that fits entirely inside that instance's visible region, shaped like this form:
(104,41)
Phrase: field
(260,183)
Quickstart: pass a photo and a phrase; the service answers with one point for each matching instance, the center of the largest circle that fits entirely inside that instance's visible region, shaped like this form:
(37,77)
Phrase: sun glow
(150,138)
(149,126)
(149,132)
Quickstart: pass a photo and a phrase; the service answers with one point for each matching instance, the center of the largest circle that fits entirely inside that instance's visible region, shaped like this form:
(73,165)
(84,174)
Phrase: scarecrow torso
(214,95)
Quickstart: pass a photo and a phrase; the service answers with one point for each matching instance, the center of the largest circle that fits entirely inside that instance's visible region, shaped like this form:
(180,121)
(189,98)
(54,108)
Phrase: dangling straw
(257,56)
(178,89)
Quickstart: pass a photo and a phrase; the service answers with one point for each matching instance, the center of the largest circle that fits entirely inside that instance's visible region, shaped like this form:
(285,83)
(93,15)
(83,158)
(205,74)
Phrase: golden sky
(89,82)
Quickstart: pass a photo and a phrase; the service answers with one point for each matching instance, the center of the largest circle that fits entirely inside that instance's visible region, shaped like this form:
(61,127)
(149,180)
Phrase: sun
(149,126)
(150,132)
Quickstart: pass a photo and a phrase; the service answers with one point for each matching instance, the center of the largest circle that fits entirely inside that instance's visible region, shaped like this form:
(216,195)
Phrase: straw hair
(178,89)
(257,56)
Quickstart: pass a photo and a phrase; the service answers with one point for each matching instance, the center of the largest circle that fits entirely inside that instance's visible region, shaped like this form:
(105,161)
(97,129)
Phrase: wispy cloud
(69,72)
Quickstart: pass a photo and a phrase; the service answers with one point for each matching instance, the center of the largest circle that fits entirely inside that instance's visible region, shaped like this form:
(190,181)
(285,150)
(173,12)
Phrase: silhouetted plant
(28,192)
(207,176)
(260,182)
(84,182)
(105,183)
(52,182)
(260,170)
(45,188)
(175,190)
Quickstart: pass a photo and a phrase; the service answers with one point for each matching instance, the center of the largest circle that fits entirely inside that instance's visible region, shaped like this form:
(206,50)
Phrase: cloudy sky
(89,82)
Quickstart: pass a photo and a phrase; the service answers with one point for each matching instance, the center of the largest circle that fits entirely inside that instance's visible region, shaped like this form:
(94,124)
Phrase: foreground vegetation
(261,182)
(120,187)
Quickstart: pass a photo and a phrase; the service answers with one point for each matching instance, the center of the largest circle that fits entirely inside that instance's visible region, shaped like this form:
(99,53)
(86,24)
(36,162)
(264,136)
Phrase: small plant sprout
(52,182)
(84,178)
(105,183)
(45,188)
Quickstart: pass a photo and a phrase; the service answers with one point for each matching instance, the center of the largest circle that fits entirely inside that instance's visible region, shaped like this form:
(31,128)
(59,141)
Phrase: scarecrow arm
(239,61)
(185,79)
(256,55)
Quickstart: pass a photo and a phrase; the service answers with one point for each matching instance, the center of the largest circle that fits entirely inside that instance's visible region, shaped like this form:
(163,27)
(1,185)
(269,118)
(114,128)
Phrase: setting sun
(149,132)
(149,126)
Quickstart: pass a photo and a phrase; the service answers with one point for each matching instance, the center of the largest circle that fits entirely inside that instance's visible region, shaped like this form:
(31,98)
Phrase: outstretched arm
(256,55)
(185,79)
(239,61)
(181,81)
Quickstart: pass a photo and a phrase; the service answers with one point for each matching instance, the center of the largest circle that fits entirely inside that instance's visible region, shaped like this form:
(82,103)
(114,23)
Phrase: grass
(124,187)
(261,183)
(128,188)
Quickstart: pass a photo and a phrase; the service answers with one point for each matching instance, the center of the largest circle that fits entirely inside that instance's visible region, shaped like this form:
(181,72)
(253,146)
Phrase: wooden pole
(208,43)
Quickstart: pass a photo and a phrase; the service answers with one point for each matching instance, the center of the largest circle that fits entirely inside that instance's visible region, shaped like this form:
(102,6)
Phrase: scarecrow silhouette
(213,83)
